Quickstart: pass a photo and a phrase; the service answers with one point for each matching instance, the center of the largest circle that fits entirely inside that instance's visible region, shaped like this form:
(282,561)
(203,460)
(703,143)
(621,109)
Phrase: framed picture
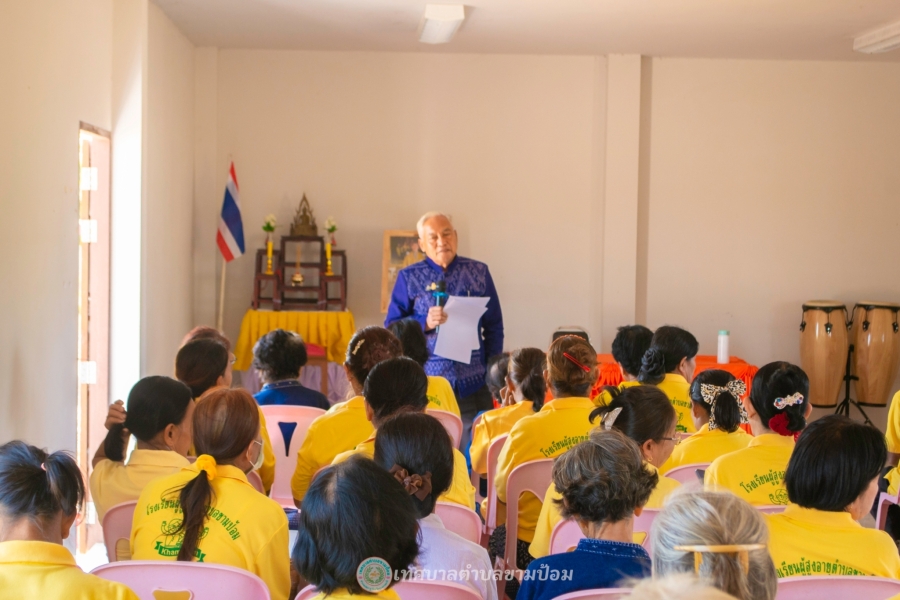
(400,249)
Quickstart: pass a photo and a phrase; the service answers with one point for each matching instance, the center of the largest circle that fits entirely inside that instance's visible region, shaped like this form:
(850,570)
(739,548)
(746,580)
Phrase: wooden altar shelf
(318,291)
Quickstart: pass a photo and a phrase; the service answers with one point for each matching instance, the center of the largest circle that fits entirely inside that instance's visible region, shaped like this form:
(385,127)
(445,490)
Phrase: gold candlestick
(268,254)
(328,271)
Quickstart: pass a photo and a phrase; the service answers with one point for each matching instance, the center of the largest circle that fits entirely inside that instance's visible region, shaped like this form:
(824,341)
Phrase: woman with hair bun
(669,364)
(412,339)
(40,497)
(777,412)
(345,424)
(717,413)
(278,357)
(523,396)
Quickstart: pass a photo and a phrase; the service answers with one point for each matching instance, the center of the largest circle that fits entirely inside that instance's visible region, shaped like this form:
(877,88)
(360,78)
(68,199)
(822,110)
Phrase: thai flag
(230,236)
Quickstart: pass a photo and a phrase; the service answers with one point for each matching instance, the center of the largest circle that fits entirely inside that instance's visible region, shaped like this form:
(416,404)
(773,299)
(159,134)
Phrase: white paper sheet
(459,336)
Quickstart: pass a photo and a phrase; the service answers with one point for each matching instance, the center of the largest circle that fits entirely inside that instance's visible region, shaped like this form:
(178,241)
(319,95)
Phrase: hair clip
(795,398)
(576,363)
(710,392)
(44,467)
(742,550)
(611,417)
(358,346)
(414,484)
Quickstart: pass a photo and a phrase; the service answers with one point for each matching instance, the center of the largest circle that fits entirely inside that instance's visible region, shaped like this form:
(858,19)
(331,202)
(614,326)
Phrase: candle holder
(328,271)
(268,253)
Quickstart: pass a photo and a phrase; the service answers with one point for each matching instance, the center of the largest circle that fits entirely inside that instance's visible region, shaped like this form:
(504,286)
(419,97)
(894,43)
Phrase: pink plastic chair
(884,500)
(416,590)
(285,454)
(533,476)
(117,531)
(490,521)
(565,536)
(476,477)
(461,520)
(642,524)
(818,587)
(770,509)
(451,423)
(687,473)
(204,581)
(604,594)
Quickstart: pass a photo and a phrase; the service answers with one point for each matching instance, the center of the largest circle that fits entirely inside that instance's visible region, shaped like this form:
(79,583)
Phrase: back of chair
(771,509)
(565,536)
(687,473)
(117,531)
(434,590)
(204,581)
(476,478)
(493,456)
(292,422)
(817,587)
(884,501)
(642,524)
(451,423)
(604,594)
(534,476)
(461,520)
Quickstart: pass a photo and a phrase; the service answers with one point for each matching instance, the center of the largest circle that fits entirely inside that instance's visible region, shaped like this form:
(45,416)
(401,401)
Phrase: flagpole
(222,296)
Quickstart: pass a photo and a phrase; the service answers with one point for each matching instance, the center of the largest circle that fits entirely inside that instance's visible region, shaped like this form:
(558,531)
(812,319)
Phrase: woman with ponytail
(669,364)
(718,414)
(160,413)
(40,497)
(645,415)
(523,396)
(208,511)
(777,413)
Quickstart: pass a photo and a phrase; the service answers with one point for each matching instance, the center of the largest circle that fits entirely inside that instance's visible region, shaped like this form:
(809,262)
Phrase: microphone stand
(844,407)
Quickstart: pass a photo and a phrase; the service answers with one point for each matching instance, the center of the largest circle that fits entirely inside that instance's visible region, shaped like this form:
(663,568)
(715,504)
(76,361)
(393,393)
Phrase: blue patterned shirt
(464,277)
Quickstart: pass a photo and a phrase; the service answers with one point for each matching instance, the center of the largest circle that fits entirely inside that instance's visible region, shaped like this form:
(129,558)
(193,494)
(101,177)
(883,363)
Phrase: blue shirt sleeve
(492,321)
(401,306)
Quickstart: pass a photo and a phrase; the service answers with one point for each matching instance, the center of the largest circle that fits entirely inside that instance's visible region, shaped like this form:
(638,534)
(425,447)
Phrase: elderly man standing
(413,296)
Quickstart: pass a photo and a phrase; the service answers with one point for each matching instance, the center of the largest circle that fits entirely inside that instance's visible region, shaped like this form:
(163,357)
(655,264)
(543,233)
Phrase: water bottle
(722,355)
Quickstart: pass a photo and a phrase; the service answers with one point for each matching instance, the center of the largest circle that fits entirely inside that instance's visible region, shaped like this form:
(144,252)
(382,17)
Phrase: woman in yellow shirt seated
(628,349)
(669,364)
(832,481)
(358,528)
(523,396)
(208,511)
(645,415)
(717,413)
(777,411)
(440,392)
(160,414)
(345,424)
(40,497)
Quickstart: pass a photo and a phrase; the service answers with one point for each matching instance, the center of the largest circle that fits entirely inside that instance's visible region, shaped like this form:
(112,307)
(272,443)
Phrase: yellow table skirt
(331,330)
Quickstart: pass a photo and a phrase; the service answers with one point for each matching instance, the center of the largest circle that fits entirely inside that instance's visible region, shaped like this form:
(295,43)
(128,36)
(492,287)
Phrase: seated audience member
(603,484)
(208,511)
(645,415)
(495,376)
(354,511)
(412,339)
(417,450)
(669,364)
(717,413)
(278,357)
(559,425)
(892,431)
(522,396)
(777,412)
(395,386)
(160,413)
(204,364)
(832,481)
(203,332)
(40,497)
(679,586)
(718,537)
(345,425)
(628,348)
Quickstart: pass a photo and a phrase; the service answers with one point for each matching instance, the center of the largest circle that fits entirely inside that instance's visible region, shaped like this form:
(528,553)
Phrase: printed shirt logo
(374,574)
(173,537)
(559,446)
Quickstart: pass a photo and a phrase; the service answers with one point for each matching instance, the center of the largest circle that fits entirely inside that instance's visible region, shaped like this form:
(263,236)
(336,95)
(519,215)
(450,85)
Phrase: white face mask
(260,458)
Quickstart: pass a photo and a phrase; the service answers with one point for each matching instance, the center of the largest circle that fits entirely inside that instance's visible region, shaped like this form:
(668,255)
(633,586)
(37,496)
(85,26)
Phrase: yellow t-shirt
(340,429)
(344,594)
(48,571)
(461,490)
(559,425)
(602,399)
(805,541)
(115,482)
(550,516)
(440,395)
(755,473)
(892,429)
(492,425)
(706,446)
(243,529)
(893,477)
(678,389)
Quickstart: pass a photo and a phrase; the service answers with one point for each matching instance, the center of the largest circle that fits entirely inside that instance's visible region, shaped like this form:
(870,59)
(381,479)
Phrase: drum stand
(844,407)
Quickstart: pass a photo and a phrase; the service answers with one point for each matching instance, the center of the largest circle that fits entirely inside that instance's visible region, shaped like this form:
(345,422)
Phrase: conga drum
(876,340)
(824,343)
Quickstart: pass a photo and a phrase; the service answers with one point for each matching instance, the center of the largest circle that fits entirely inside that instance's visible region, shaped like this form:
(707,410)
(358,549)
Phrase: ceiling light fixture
(441,22)
(884,39)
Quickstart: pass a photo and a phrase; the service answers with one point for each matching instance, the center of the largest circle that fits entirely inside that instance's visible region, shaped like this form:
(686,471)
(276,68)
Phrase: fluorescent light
(441,22)
(884,39)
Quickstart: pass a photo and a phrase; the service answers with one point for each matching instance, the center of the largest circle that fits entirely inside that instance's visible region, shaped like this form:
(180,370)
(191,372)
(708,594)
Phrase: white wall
(506,144)
(56,72)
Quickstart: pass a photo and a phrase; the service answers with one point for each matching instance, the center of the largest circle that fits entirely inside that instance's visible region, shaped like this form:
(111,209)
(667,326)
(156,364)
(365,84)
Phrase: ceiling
(761,29)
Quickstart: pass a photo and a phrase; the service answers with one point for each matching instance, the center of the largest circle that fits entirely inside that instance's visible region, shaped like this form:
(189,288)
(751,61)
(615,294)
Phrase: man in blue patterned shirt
(413,296)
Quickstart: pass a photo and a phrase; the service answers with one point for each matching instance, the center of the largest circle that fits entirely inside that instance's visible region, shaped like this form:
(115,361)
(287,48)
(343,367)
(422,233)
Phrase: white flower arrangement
(330,225)
(269,224)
